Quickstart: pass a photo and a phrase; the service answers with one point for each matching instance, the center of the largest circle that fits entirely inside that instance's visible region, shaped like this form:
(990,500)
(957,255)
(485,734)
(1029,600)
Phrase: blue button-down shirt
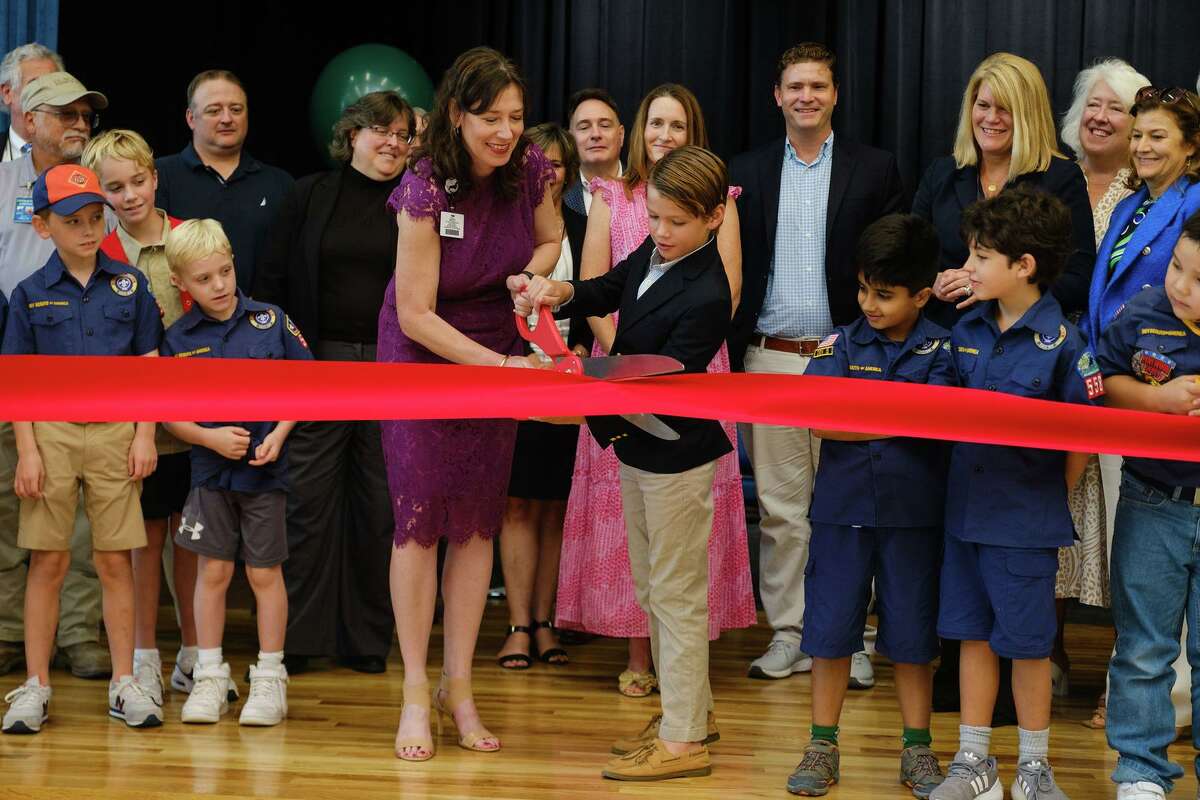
(797,299)
(3,314)
(50,313)
(1016,496)
(896,482)
(1148,342)
(256,330)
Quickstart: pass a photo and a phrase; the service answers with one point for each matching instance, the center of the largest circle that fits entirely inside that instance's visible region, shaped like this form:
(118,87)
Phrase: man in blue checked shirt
(807,198)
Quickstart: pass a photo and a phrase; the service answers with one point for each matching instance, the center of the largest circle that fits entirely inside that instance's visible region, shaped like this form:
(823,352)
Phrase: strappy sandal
(458,691)
(518,661)
(1100,714)
(418,695)
(554,655)
(636,684)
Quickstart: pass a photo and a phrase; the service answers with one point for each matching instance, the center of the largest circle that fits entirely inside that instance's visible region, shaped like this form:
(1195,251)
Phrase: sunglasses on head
(1165,96)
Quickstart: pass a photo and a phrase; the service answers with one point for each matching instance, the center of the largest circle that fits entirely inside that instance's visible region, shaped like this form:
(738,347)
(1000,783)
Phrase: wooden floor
(556,725)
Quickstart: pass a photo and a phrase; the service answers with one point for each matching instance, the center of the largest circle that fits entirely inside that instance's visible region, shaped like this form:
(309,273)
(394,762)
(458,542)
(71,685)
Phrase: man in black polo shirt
(214,177)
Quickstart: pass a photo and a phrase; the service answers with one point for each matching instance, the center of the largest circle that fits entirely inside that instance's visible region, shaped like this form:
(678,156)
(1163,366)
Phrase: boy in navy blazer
(674,300)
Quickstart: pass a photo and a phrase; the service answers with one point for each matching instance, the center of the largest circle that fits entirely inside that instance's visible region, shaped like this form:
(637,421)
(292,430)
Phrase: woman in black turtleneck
(329,258)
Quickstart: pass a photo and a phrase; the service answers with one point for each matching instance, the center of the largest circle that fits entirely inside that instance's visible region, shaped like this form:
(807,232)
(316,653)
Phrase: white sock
(186,659)
(270,660)
(209,657)
(149,655)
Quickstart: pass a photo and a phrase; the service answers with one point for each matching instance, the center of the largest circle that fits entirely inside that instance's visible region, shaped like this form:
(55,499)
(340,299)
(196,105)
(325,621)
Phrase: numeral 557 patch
(1089,370)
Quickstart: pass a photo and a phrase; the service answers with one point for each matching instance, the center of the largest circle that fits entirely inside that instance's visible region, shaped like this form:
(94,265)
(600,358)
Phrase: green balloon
(358,71)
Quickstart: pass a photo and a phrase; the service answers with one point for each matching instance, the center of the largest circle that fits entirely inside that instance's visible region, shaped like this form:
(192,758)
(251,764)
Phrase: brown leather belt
(804,346)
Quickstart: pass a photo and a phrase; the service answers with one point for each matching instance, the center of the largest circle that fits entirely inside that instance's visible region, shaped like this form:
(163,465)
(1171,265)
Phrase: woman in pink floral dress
(595,591)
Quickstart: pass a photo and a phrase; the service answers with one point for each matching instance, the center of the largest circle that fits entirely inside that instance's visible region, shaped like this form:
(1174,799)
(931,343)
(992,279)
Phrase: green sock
(825,733)
(915,736)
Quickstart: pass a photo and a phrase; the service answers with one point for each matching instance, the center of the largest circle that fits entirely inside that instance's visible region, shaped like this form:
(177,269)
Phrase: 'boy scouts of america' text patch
(124,284)
(1047,341)
(1089,370)
(294,331)
(263,319)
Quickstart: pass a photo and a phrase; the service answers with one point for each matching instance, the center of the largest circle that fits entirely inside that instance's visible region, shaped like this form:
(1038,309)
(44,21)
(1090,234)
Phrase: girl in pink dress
(595,590)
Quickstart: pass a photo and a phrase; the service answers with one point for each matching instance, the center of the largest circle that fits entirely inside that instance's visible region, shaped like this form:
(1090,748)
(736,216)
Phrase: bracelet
(504,361)
(528,274)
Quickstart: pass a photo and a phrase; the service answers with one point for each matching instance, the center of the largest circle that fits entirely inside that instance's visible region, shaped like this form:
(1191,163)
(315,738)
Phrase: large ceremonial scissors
(610,368)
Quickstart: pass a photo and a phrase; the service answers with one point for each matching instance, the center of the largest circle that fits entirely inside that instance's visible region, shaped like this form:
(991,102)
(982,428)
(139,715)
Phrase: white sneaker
(148,675)
(28,707)
(781,660)
(862,672)
(1060,682)
(1142,790)
(182,681)
(128,701)
(211,694)
(267,702)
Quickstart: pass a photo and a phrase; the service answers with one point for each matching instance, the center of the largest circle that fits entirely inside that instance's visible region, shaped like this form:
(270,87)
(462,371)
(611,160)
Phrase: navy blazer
(946,191)
(685,315)
(1147,255)
(864,185)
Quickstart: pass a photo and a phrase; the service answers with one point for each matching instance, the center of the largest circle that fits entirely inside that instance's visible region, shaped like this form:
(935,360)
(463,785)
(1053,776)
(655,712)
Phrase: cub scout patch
(78,178)
(1048,341)
(971,351)
(1153,368)
(825,346)
(44,303)
(926,347)
(294,331)
(1089,370)
(263,319)
(1160,332)
(124,284)
(199,351)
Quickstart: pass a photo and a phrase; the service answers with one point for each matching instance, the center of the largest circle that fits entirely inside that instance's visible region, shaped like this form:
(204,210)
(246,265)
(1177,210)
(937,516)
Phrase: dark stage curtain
(903,63)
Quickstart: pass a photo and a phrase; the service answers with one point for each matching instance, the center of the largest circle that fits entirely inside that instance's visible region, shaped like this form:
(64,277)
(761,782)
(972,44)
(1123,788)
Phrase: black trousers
(339,533)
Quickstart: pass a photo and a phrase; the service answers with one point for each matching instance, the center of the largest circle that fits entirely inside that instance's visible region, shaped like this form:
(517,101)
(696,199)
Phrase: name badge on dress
(451,225)
(23,210)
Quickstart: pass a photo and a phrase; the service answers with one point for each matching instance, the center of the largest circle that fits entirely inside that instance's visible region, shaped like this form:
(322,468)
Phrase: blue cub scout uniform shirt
(1016,496)
(256,330)
(1148,342)
(3,314)
(113,315)
(897,482)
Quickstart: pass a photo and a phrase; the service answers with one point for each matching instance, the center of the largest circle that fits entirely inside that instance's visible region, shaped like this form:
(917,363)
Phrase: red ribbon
(88,389)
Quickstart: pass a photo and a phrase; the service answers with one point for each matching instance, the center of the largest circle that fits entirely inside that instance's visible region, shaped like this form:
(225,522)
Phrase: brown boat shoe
(654,762)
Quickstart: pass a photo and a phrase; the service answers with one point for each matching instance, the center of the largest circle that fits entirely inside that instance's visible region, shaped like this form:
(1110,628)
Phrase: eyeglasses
(71,116)
(402,137)
(1165,96)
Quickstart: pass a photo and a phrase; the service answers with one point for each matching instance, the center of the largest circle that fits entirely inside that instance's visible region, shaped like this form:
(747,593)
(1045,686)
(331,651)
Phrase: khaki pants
(785,464)
(668,519)
(79,614)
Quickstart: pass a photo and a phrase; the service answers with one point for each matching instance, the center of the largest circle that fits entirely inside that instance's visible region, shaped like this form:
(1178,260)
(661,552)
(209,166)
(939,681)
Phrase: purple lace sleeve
(539,174)
(606,187)
(735,192)
(418,194)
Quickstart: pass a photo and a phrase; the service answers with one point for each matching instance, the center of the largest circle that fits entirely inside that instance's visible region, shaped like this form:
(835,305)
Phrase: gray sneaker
(1035,781)
(919,770)
(129,701)
(817,771)
(28,707)
(862,672)
(970,777)
(781,660)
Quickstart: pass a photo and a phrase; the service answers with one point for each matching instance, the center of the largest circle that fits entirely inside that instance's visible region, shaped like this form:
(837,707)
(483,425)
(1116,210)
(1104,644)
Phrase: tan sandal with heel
(418,695)
(458,691)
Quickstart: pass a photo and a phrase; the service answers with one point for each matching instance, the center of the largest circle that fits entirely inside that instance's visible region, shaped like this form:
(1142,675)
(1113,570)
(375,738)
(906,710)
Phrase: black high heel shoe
(555,655)
(518,661)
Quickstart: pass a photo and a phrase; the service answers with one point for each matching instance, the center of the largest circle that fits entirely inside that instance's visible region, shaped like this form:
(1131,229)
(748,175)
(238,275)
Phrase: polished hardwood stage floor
(556,724)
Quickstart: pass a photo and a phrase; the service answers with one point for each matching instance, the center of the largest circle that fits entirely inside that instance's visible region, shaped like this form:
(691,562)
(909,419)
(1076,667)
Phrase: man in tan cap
(59,114)
(20,66)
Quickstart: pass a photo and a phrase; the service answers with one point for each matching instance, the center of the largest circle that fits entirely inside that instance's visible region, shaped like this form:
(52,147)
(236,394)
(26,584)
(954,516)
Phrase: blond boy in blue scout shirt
(80,303)
(237,503)
(877,509)
(1006,507)
(1150,357)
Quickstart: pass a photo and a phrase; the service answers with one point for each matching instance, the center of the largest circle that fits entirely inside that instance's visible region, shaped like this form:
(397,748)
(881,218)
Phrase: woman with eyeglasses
(328,261)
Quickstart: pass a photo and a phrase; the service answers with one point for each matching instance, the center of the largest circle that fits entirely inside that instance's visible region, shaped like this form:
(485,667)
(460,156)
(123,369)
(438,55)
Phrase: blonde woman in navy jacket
(1165,150)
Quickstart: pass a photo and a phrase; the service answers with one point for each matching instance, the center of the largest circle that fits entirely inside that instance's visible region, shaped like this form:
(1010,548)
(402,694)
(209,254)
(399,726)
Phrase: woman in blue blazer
(1165,150)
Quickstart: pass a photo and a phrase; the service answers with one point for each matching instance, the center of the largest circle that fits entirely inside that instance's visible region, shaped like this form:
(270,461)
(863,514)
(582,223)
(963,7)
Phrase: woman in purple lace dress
(471,211)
